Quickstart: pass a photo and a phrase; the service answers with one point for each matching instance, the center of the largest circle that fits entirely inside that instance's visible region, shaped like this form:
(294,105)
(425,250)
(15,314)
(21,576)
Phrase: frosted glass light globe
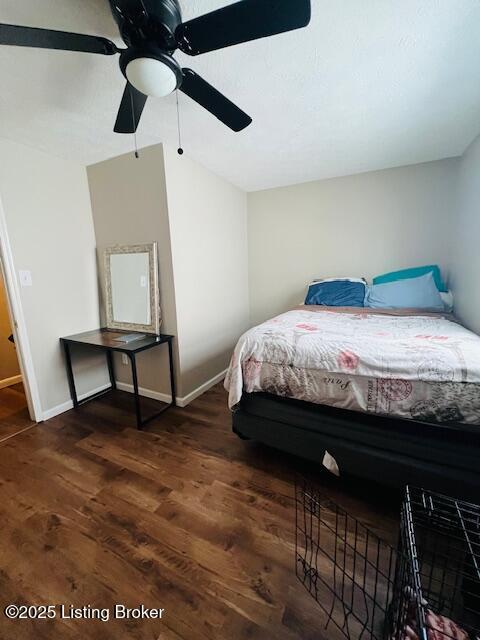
(151,77)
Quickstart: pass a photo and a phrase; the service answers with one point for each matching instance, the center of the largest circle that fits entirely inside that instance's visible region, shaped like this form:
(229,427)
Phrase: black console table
(107,340)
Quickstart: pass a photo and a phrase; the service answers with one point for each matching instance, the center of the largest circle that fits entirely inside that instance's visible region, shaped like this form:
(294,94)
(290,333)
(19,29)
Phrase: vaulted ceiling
(368,85)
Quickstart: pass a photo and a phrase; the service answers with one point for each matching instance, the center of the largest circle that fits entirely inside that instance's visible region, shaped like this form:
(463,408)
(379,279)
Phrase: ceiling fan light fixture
(153,30)
(152,76)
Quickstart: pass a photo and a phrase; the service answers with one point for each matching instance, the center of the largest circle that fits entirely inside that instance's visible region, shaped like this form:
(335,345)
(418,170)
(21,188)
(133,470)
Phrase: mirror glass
(131,287)
(130,274)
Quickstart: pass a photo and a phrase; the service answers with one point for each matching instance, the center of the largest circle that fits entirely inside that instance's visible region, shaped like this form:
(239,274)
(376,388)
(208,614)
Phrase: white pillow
(447,298)
(333,280)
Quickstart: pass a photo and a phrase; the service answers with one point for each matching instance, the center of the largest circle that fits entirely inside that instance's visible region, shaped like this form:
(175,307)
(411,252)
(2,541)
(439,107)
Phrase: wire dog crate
(348,569)
(426,589)
(437,586)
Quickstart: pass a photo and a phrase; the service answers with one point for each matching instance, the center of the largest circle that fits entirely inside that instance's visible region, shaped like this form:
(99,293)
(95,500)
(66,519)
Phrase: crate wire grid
(346,567)
(440,569)
(367,589)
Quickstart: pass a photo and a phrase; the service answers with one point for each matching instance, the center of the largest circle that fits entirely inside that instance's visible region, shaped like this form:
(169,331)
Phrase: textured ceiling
(369,84)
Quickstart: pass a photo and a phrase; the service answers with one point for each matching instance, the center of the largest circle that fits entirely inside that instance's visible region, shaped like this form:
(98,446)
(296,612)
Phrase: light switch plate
(25,278)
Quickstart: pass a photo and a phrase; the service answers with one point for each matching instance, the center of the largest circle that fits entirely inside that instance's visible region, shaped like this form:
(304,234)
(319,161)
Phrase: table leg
(71,379)
(111,369)
(172,372)
(135,390)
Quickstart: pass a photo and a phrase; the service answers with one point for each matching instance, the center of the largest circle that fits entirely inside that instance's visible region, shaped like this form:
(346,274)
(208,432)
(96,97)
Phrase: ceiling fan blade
(212,100)
(241,22)
(14,35)
(130,111)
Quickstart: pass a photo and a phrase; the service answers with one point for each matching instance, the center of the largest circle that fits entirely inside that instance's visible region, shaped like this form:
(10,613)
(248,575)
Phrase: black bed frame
(444,457)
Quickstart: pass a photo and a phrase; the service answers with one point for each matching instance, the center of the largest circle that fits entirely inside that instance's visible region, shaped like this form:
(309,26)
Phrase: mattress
(406,364)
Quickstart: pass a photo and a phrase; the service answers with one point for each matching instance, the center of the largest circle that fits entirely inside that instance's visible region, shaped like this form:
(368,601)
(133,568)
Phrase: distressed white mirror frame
(155,314)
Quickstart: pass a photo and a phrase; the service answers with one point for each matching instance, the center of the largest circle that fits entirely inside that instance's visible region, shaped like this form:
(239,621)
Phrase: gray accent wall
(129,205)
(200,223)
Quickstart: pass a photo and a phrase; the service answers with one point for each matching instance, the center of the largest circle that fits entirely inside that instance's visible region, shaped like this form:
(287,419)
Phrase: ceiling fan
(153,30)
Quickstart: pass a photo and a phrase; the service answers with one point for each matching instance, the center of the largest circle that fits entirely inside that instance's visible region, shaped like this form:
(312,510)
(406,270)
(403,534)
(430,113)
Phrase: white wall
(208,227)
(47,208)
(359,225)
(465,254)
(200,223)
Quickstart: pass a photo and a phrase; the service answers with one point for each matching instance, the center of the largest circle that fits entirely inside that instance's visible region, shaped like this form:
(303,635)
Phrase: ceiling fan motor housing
(148,28)
(144,21)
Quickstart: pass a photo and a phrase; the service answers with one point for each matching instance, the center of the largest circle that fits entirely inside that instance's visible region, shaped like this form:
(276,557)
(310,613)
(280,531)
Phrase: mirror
(131,274)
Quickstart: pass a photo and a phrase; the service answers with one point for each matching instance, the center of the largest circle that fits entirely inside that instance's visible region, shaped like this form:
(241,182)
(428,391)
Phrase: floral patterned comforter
(403,363)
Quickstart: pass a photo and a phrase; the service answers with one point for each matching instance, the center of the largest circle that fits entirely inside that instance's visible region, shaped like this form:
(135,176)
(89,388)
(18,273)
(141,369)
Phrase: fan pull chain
(136,146)
(179,150)
(133,122)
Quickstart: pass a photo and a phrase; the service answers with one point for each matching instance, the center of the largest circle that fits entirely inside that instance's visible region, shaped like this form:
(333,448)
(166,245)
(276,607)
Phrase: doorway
(14,413)
(10,374)
(19,397)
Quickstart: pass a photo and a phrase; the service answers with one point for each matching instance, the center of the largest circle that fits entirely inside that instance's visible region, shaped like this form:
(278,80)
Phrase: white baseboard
(166,397)
(8,382)
(66,406)
(182,402)
(147,393)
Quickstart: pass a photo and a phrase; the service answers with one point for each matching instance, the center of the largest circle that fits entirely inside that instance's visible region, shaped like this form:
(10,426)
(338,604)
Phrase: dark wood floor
(183,516)
(14,415)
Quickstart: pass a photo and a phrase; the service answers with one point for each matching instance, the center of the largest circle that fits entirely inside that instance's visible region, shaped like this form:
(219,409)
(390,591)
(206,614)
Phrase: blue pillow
(414,293)
(414,272)
(336,293)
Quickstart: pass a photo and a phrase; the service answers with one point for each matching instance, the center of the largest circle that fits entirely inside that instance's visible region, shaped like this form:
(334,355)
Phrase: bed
(389,394)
